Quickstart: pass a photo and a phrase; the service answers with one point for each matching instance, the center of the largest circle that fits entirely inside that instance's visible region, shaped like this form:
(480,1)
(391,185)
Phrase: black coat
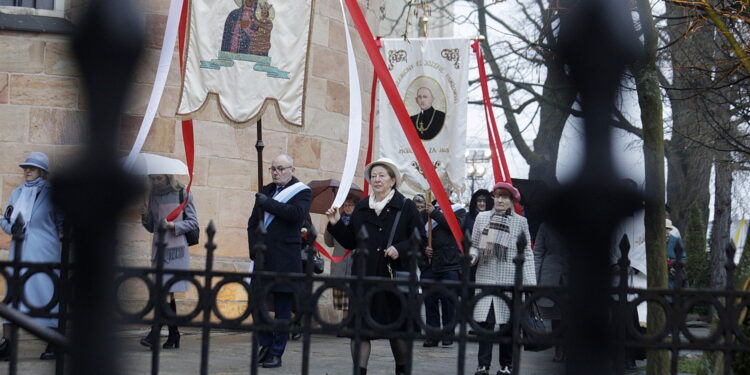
(445,253)
(430,118)
(283,240)
(384,307)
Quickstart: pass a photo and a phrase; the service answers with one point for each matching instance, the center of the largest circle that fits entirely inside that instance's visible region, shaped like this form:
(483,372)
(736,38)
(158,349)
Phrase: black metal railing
(727,336)
(596,329)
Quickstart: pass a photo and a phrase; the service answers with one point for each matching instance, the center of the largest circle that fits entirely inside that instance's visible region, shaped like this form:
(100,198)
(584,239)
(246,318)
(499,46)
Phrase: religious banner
(432,78)
(249,53)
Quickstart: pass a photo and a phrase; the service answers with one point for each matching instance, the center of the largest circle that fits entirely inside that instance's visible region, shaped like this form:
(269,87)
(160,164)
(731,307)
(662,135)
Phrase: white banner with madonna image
(249,53)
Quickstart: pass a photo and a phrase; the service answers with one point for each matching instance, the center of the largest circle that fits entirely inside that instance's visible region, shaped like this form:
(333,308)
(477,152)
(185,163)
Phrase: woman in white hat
(42,226)
(390,219)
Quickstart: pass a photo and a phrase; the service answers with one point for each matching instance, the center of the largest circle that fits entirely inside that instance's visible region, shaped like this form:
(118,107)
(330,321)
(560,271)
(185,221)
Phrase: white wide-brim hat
(387,163)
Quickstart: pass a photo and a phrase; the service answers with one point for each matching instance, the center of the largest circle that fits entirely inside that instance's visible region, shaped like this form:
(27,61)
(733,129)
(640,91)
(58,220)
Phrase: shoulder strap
(182,199)
(395,224)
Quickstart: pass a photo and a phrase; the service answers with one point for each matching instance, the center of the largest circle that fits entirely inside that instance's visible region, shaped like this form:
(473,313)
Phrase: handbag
(397,275)
(318,262)
(535,323)
(193,236)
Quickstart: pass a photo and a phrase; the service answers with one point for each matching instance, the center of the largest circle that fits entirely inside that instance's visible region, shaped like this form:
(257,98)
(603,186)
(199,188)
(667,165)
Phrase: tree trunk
(552,119)
(690,162)
(720,235)
(557,98)
(649,100)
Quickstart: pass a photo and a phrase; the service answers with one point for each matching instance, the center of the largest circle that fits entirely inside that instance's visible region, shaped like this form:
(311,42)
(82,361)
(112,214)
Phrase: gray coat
(551,257)
(176,255)
(498,272)
(41,245)
(343,268)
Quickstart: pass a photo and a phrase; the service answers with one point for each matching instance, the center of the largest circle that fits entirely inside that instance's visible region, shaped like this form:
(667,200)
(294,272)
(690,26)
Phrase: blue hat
(37,159)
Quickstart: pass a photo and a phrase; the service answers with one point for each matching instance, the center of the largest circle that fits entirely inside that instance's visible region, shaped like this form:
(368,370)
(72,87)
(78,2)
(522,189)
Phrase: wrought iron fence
(597,329)
(727,337)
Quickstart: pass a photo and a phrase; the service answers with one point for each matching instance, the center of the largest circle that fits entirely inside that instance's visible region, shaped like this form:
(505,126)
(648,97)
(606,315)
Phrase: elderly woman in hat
(167,193)
(42,225)
(390,219)
(493,247)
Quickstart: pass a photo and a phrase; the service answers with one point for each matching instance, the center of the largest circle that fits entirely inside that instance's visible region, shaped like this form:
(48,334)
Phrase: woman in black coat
(378,213)
(481,201)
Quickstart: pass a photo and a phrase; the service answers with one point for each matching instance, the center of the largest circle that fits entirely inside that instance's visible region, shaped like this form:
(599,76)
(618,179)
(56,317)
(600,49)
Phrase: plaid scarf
(495,239)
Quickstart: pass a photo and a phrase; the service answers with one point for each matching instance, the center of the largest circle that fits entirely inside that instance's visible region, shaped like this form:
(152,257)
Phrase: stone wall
(42,109)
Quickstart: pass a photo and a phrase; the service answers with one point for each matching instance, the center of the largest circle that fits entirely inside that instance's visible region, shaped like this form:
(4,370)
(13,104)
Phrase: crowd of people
(388,216)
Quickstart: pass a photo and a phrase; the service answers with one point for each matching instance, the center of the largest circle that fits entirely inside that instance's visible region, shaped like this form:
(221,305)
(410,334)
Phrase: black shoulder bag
(397,275)
(193,236)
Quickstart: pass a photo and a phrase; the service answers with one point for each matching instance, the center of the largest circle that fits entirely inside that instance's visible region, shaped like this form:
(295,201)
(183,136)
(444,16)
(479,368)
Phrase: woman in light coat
(493,247)
(343,268)
(43,225)
(166,194)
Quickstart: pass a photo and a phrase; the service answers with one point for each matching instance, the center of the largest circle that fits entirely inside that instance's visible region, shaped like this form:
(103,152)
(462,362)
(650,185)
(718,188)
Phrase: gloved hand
(17,227)
(261,199)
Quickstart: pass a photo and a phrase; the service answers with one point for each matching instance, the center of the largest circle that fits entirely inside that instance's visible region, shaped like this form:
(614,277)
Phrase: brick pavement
(329,356)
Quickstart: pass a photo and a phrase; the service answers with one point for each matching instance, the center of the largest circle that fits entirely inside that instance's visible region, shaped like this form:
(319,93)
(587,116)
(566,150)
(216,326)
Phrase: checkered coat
(498,272)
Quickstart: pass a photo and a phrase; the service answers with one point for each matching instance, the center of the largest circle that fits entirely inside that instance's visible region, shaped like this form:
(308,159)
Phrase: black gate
(597,328)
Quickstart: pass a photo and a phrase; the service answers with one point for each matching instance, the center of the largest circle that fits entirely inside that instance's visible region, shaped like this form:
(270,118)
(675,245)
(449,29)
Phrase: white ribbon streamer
(355,120)
(165,60)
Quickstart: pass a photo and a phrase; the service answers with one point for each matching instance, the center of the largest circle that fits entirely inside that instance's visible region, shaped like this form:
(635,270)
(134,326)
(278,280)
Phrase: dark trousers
(433,302)
(276,341)
(485,348)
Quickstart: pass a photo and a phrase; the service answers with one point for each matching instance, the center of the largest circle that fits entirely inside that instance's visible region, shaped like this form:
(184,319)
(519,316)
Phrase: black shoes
(429,343)
(273,361)
(262,354)
(173,341)
(152,337)
(483,370)
(49,353)
(295,336)
(5,349)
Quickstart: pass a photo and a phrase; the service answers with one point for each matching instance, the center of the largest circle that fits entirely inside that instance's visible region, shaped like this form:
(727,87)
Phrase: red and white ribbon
(355,120)
(403,116)
(165,61)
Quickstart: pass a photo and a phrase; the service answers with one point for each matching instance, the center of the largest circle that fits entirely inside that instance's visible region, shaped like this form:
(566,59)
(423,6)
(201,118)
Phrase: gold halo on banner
(438,95)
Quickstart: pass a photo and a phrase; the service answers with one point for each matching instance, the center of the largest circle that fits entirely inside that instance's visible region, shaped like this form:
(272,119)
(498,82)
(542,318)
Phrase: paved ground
(329,356)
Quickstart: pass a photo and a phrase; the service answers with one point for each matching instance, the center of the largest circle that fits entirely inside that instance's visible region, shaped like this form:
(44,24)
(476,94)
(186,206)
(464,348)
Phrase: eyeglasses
(278,169)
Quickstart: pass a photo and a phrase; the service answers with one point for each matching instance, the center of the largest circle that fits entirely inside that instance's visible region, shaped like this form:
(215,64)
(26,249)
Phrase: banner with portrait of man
(432,78)
(248,53)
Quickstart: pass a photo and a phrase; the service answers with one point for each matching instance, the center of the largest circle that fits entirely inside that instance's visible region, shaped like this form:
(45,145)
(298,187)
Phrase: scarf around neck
(379,206)
(25,202)
(495,240)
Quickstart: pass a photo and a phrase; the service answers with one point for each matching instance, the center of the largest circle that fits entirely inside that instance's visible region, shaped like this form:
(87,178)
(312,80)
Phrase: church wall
(43,109)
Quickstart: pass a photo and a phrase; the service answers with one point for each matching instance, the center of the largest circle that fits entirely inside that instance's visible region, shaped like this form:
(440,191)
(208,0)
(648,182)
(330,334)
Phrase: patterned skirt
(340,300)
